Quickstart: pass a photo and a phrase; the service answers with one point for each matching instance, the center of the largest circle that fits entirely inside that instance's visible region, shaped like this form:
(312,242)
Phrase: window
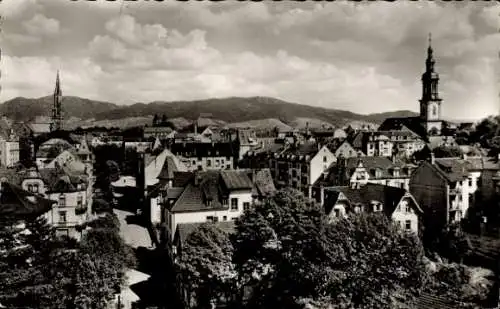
(79,200)
(62,216)
(215,219)
(408,225)
(337,212)
(224,201)
(209,162)
(216,162)
(224,218)
(234,204)
(246,205)
(234,218)
(228,166)
(324,158)
(434,110)
(470,182)
(210,219)
(294,173)
(402,185)
(62,200)
(408,209)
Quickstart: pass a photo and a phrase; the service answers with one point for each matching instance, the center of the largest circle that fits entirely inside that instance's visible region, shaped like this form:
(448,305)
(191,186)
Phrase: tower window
(434,110)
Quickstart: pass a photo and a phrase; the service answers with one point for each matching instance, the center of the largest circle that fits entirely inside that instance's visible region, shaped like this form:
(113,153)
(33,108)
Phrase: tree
(164,120)
(287,251)
(155,120)
(205,265)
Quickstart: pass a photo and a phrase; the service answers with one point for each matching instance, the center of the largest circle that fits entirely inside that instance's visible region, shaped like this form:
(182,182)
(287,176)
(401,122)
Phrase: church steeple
(57,107)
(430,103)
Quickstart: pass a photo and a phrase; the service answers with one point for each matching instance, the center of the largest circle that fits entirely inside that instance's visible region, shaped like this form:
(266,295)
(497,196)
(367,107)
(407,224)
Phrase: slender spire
(57,91)
(430,58)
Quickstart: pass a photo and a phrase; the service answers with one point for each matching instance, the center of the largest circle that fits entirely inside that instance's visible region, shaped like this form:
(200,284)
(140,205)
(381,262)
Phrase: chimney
(195,124)
(433,158)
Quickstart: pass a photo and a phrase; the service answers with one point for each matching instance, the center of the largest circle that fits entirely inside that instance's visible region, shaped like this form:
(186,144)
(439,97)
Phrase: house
(397,203)
(441,187)
(49,150)
(159,174)
(211,196)
(382,170)
(205,156)
(299,165)
(71,193)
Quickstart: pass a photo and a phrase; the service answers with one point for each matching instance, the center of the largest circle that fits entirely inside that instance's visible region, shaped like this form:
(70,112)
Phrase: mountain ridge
(230,110)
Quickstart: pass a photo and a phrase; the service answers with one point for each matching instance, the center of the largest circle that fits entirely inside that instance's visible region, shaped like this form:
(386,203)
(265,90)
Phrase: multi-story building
(70,191)
(300,165)
(398,204)
(441,187)
(387,143)
(363,170)
(9,144)
(162,133)
(206,156)
(344,149)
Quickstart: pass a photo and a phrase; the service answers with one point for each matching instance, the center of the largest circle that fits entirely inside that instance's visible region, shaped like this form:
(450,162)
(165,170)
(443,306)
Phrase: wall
(216,163)
(318,165)
(72,219)
(430,192)
(401,215)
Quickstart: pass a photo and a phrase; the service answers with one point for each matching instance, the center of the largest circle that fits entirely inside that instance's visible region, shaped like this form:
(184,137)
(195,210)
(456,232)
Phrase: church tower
(57,118)
(430,104)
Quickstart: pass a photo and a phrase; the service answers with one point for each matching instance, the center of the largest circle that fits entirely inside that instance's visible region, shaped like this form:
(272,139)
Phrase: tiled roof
(452,171)
(185,229)
(195,197)
(170,166)
(357,140)
(14,203)
(236,179)
(181,179)
(483,163)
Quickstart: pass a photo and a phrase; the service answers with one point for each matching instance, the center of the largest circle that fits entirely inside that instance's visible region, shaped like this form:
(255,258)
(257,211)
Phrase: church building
(430,123)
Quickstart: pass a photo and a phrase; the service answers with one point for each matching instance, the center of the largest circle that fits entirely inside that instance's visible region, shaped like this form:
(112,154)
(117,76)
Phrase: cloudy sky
(361,57)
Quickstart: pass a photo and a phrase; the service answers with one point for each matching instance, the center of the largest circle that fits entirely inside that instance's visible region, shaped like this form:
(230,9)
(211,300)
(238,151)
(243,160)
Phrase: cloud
(41,25)
(364,57)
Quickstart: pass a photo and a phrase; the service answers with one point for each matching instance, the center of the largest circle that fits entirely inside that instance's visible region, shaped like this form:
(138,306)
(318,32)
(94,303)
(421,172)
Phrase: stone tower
(430,103)
(57,119)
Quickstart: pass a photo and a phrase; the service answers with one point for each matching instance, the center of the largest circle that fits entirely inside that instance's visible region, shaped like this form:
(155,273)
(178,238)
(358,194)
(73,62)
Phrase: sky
(364,57)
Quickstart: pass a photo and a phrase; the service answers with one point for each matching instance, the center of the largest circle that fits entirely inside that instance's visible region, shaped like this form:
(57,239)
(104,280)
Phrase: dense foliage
(285,251)
(40,270)
(206,264)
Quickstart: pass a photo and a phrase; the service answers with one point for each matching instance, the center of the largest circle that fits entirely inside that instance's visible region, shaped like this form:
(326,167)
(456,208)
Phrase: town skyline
(278,50)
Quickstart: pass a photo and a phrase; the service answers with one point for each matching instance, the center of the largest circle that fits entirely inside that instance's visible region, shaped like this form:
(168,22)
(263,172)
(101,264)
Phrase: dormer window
(79,200)
(377,207)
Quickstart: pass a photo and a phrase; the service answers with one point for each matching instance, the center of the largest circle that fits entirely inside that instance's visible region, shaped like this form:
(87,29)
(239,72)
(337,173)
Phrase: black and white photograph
(249,154)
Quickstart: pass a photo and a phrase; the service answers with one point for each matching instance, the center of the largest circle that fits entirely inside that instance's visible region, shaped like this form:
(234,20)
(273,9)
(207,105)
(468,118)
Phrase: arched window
(434,110)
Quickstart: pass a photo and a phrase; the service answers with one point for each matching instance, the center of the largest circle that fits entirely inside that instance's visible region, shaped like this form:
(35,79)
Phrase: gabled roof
(450,171)
(16,204)
(195,197)
(412,123)
(236,179)
(389,196)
